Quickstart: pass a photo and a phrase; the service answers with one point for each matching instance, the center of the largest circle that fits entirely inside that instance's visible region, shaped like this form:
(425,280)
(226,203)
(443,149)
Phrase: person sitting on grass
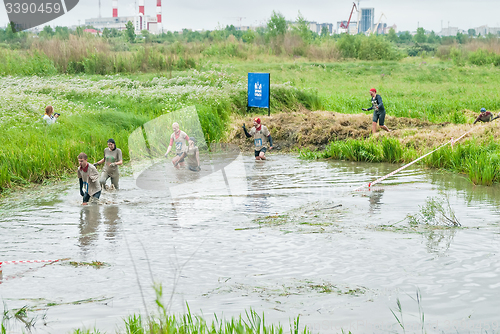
(485,116)
(89,179)
(49,115)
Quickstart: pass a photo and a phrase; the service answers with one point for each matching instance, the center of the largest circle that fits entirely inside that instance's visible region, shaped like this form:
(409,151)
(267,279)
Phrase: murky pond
(269,236)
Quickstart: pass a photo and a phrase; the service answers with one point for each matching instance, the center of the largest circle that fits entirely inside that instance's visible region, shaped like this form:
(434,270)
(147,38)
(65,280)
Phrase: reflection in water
(439,241)
(90,218)
(89,222)
(375,199)
(258,186)
(111,220)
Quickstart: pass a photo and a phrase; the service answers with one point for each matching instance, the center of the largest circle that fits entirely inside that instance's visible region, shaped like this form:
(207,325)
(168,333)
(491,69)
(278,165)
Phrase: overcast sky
(210,14)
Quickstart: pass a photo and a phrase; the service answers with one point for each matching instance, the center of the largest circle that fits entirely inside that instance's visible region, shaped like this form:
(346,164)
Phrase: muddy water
(267,236)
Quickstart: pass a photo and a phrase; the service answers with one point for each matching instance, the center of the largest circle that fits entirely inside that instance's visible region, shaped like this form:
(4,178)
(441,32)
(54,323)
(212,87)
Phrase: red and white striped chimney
(158,11)
(141,7)
(115,8)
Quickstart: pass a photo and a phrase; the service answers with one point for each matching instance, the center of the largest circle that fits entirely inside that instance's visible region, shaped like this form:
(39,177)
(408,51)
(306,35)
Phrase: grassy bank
(96,108)
(423,88)
(476,158)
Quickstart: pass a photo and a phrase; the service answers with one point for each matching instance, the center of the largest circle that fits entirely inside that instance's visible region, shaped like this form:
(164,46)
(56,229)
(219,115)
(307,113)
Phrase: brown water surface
(260,235)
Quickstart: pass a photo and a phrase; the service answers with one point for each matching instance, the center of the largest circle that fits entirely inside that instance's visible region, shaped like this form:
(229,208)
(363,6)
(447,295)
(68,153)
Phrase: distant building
(353,27)
(367,19)
(485,30)
(387,28)
(382,27)
(91,31)
(140,22)
(450,31)
(316,27)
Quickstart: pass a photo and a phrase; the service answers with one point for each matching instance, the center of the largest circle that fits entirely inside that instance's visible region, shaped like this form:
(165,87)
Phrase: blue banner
(258,90)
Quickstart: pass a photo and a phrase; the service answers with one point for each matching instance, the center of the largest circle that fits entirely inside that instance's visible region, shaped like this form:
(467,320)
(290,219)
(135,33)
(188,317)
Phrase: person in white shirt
(49,115)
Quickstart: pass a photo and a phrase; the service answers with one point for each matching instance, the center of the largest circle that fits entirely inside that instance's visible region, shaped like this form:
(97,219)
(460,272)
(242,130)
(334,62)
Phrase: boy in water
(89,179)
(378,111)
(261,135)
(180,138)
(485,116)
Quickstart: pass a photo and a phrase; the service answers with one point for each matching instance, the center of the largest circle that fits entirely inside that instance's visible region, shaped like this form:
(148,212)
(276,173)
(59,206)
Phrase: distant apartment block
(450,31)
(367,19)
(353,27)
(485,30)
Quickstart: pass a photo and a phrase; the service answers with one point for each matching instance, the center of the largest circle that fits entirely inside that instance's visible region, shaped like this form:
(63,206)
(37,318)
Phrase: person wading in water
(261,135)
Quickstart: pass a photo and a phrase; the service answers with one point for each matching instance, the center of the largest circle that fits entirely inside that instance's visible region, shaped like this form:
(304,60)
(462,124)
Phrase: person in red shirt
(485,116)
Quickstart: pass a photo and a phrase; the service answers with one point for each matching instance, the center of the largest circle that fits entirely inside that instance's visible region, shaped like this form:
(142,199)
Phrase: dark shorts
(182,159)
(194,168)
(379,116)
(263,150)
(86,197)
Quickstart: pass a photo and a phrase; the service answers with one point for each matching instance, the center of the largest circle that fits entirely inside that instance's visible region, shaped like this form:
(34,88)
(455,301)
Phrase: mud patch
(315,129)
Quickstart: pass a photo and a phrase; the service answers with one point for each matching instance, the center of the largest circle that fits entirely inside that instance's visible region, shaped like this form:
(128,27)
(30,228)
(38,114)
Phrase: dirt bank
(315,129)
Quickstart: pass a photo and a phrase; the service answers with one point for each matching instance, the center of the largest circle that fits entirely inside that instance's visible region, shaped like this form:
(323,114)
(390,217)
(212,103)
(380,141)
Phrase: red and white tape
(411,163)
(26,261)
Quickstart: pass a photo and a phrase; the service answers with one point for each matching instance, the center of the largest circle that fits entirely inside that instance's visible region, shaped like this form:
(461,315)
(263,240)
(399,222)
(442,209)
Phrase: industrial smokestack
(141,7)
(115,8)
(158,11)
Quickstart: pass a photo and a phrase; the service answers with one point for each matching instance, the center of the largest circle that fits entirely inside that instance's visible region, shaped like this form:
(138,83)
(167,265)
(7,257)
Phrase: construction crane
(345,24)
(375,29)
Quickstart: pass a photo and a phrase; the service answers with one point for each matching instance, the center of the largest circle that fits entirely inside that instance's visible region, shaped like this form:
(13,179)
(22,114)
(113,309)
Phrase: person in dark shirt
(378,111)
(485,116)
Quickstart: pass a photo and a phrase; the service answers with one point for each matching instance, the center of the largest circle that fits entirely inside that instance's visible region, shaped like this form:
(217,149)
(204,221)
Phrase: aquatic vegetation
(165,322)
(476,158)
(22,315)
(95,264)
(435,211)
(421,316)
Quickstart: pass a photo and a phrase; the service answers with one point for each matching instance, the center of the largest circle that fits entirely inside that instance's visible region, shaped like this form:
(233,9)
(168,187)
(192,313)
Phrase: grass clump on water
(435,211)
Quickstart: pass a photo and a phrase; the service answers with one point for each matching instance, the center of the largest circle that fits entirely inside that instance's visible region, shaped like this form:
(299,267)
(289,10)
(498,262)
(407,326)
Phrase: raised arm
(246,132)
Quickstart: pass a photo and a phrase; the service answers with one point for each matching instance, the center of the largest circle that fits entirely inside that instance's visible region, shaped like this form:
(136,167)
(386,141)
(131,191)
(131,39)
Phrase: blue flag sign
(258,90)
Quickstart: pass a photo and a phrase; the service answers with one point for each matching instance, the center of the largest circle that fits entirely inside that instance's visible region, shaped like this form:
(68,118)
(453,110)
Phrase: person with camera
(50,117)
(112,159)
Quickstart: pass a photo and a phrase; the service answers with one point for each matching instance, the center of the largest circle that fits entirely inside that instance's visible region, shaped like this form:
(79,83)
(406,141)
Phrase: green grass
(95,108)
(478,159)
(428,89)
